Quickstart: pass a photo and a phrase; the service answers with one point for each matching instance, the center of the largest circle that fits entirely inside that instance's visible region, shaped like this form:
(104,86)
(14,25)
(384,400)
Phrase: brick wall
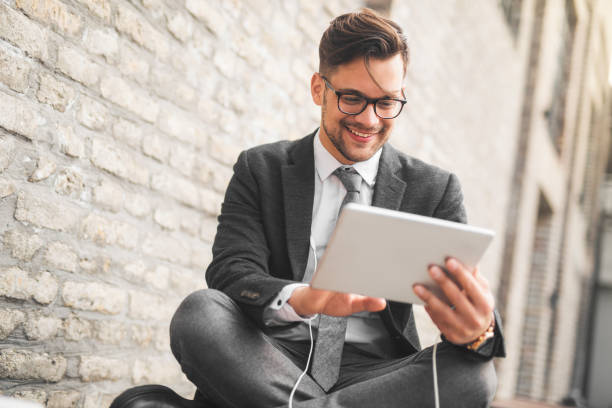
(119,123)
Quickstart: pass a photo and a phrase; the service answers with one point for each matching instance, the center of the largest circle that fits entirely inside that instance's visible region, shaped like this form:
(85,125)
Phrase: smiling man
(246,340)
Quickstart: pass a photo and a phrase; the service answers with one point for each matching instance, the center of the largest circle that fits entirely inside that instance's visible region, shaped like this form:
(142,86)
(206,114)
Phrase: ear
(317,87)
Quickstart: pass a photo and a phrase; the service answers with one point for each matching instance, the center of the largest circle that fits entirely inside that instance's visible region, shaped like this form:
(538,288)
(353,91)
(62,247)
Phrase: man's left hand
(472,302)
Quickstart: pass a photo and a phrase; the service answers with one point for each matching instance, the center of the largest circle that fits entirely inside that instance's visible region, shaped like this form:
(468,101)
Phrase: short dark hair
(360,34)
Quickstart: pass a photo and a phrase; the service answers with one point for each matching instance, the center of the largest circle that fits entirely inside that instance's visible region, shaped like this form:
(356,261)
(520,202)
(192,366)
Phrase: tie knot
(349,178)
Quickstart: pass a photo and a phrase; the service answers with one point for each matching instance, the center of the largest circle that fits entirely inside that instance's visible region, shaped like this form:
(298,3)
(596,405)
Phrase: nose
(368,117)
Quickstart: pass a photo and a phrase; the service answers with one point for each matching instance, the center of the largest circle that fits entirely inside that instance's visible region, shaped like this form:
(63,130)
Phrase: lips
(360,134)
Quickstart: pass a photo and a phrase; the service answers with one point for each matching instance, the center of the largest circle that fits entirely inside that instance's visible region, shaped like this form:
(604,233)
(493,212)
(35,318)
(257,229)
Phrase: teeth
(360,134)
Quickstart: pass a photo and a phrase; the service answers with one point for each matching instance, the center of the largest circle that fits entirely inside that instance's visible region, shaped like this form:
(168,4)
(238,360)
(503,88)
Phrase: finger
(440,312)
(474,291)
(453,293)
(365,303)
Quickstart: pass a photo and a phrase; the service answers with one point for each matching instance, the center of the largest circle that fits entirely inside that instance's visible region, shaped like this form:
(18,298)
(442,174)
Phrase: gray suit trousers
(235,364)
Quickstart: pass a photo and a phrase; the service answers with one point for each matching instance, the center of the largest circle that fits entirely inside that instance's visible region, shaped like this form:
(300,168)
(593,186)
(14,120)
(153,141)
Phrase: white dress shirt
(364,330)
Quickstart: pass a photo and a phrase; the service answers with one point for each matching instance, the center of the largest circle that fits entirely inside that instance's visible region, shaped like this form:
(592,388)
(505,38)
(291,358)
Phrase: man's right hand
(307,301)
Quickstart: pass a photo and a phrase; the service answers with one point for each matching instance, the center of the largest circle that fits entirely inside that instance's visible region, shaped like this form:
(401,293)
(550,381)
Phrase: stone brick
(133,64)
(108,195)
(180,26)
(209,15)
(104,231)
(181,189)
(118,162)
(43,212)
(54,92)
(27,365)
(154,371)
(139,30)
(40,327)
(226,62)
(97,400)
(201,256)
(183,282)
(45,288)
(15,283)
(95,368)
(52,12)
(20,117)
(110,331)
(32,395)
(61,256)
(25,34)
(45,166)
(77,329)
(70,143)
(210,201)
(182,159)
(150,307)
(208,229)
(7,152)
(6,188)
(156,146)
(128,133)
(101,8)
(104,42)
(158,278)
(221,178)
(9,320)
(127,235)
(178,124)
(172,86)
(135,270)
(167,217)
(93,296)
(142,334)
(190,221)
(123,94)
(77,66)
(203,169)
(69,182)
(63,399)
(14,70)
(92,114)
(22,245)
(137,205)
(167,248)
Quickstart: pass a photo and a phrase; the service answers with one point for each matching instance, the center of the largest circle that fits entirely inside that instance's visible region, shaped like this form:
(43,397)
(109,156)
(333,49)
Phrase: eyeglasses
(353,103)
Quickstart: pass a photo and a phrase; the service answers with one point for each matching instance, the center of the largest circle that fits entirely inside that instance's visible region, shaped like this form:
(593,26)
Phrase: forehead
(385,76)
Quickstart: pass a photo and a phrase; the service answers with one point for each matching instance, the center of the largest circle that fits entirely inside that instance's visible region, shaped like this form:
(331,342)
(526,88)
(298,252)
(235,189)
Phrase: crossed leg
(234,364)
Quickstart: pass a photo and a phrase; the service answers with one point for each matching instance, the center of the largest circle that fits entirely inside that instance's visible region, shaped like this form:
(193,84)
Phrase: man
(245,341)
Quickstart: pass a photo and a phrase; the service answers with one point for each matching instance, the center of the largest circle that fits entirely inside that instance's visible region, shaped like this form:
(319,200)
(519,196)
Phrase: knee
(468,383)
(198,317)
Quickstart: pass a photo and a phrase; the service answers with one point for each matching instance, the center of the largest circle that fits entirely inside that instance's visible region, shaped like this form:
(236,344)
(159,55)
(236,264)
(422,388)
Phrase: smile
(361,134)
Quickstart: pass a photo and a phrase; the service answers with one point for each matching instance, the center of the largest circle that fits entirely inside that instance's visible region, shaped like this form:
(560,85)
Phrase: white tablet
(383,253)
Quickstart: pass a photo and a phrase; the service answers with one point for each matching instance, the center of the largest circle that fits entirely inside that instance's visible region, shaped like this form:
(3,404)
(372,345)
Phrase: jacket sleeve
(239,267)
(451,208)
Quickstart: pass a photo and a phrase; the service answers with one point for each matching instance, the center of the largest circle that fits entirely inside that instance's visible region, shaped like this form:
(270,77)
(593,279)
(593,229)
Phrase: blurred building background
(120,121)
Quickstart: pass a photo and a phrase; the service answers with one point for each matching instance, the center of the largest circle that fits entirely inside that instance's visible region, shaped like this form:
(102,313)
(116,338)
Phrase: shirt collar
(326,164)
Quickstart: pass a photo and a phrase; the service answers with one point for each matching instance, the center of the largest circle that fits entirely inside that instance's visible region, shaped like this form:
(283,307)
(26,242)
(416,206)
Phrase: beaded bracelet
(489,333)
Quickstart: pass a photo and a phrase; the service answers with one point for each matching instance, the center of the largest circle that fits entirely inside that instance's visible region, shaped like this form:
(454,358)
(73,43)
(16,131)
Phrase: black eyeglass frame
(372,101)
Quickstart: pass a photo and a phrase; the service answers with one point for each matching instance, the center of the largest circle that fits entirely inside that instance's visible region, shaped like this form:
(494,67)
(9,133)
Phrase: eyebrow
(355,91)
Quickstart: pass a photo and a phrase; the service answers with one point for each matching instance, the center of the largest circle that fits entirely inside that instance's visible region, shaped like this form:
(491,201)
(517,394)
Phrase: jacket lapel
(298,195)
(389,188)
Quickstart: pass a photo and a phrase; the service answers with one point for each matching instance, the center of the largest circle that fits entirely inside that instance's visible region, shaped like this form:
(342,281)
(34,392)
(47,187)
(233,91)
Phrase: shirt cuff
(279,312)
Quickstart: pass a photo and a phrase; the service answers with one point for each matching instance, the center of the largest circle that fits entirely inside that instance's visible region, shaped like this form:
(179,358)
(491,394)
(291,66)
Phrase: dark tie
(332,330)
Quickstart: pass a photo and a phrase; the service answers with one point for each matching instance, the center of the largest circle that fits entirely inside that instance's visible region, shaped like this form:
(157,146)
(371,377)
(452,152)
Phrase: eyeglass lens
(354,104)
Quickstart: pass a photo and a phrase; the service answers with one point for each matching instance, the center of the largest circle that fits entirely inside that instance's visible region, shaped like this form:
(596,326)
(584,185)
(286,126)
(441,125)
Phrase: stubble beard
(336,137)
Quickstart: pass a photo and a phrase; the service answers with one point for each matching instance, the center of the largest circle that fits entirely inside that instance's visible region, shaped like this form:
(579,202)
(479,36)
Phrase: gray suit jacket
(263,235)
